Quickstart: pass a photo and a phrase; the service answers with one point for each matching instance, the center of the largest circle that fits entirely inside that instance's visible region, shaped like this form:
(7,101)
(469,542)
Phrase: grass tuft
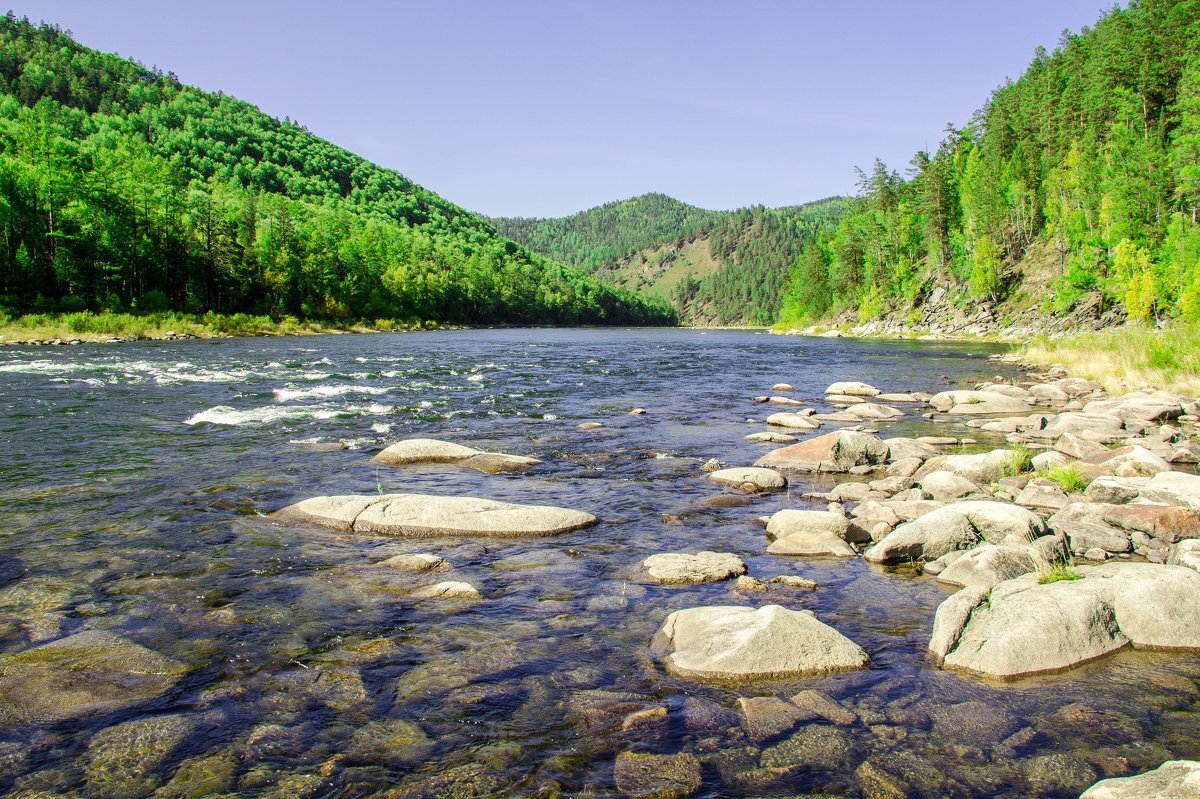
(1068,478)
(1021,462)
(1058,572)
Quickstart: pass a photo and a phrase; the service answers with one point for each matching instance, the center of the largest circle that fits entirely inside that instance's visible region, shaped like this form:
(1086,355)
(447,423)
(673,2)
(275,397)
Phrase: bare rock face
(793,421)
(1025,627)
(84,674)
(750,478)
(1175,778)
(685,569)
(423,515)
(430,450)
(740,643)
(839,451)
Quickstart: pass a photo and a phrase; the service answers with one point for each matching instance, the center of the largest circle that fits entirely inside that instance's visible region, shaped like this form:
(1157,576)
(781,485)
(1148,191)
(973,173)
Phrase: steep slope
(122,188)
(716,267)
(1072,195)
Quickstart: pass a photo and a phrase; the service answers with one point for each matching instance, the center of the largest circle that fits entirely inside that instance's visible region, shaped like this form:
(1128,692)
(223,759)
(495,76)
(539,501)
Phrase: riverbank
(86,326)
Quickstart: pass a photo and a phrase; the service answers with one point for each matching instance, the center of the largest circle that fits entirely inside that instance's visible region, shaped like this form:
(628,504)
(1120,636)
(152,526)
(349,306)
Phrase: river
(135,482)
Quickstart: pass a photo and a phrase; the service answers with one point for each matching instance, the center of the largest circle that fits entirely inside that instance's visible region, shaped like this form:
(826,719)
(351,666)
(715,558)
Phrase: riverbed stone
(771,438)
(812,532)
(977,403)
(1137,406)
(1099,427)
(794,421)
(740,643)
(677,568)
(982,467)
(750,478)
(814,746)
(650,776)
(121,760)
(1175,779)
(990,564)
(852,388)
(903,448)
(424,515)
(834,452)
(1186,553)
(85,674)
(1129,461)
(431,450)
(873,410)
(1085,527)
(1023,627)
(765,717)
(448,589)
(944,486)
(419,562)
(961,525)
(1043,494)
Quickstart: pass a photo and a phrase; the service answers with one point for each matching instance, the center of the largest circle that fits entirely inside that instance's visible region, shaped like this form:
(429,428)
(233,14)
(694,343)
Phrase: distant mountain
(121,188)
(716,267)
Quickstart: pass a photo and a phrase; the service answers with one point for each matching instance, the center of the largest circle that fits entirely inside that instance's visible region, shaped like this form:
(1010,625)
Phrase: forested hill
(1075,190)
(121,188)
(716,267)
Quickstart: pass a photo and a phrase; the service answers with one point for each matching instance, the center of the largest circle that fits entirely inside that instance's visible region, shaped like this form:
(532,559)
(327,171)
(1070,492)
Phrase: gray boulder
(1025,627)
(740,643)
(946,486)
(423,515)
(902,448)
(749,478)
(431,450)
(852,388)
(794,421)
(677,568)
(811,532)
(839,451)
(990,564)
(961,525)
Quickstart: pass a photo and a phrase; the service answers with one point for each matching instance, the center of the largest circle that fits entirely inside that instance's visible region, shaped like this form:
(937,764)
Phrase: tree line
(123,189)
(1088,166)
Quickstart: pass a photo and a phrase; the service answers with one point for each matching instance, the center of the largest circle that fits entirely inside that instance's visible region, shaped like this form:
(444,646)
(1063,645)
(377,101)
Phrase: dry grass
(1126,358)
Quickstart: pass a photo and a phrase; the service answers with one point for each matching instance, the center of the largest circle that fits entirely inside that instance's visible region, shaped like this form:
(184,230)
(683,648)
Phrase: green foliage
(755,248)
(1094,153)
(1058,572)
(1069,478)
(1020,462)
(122,189)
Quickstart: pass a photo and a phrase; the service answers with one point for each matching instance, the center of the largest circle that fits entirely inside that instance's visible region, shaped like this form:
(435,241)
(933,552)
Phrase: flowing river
(135,483)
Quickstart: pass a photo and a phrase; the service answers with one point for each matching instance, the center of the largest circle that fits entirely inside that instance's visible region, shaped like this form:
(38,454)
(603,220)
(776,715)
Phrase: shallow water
(135,478)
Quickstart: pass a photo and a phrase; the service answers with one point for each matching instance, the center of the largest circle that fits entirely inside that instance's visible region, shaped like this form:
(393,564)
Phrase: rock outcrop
(839,451)
(431,450)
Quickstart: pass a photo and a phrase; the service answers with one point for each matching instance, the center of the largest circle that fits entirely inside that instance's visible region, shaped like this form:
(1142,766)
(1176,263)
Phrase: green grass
(1068,478)
(90,326)
(1126,358)
(1020,463)
(1058,572)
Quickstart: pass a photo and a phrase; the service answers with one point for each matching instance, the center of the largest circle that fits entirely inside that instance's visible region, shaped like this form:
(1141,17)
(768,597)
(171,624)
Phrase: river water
(135,479)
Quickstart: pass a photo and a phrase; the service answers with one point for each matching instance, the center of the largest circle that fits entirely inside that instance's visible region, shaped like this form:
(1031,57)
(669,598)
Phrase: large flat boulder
(431,450)
(740,643)
(839,451)
(85,674)
(1138,406)
(1175,779)
(990,564)
(981,467)
(978,403)
(424,515)
(1100,427)
(961,525)
(1024,626)
(852,388)
(681,568)
(793,421)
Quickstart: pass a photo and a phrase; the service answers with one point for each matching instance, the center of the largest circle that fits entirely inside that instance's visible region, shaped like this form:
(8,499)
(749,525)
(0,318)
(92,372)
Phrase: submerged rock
(421,562)
(1025,627)
(685,569)
(424,515)
(431,450)
(88,673)
(739,643)
(647,776)
(121,760)
(450,589)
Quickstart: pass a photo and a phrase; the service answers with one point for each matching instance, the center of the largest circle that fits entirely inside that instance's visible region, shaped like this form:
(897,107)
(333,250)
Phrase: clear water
(133,482)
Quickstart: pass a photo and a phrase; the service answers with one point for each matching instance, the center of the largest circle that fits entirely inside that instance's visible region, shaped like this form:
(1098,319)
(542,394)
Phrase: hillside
(716,267)
(1070,199)
(121,188)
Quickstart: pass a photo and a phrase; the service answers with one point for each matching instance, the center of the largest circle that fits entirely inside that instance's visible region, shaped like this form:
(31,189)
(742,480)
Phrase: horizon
(721,133)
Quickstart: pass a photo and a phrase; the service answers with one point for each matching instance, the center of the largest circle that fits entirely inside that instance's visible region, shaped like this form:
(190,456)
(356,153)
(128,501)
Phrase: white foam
(225,415)
(287,394)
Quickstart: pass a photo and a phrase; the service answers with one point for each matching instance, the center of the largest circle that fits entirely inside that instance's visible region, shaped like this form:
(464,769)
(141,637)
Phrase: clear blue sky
(523,107)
